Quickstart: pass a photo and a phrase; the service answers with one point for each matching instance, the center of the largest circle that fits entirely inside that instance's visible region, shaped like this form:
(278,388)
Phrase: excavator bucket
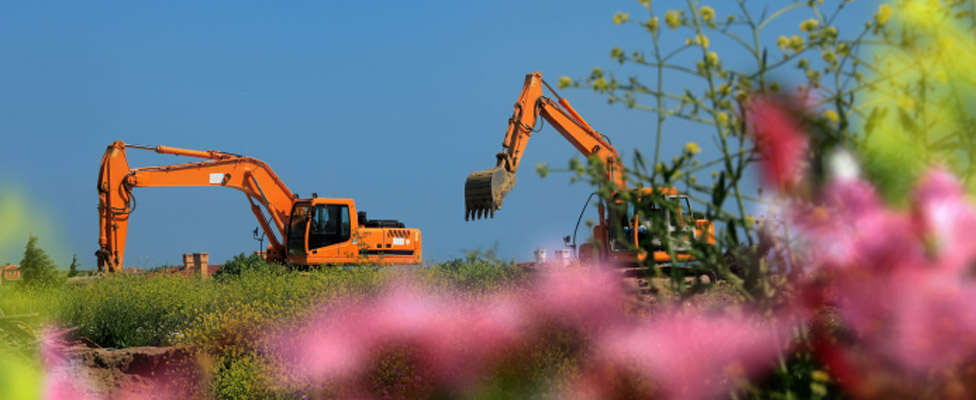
(484,191)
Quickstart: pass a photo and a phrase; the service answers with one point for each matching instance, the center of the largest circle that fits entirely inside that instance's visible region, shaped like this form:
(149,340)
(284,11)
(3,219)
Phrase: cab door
(328,228)
(297,230)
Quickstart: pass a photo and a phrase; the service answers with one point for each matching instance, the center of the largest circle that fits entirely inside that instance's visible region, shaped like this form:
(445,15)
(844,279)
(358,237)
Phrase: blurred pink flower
(945,220)
(460,340)
(64,380)
(781,141)
(900,281)
(60,381)
(585,298)
(452,337)
(695,356)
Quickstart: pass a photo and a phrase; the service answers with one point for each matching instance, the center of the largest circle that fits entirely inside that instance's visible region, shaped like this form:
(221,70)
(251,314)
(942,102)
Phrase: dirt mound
(169,372)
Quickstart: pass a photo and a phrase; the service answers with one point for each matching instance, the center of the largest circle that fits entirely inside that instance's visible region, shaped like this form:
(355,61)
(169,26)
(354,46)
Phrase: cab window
(329,225)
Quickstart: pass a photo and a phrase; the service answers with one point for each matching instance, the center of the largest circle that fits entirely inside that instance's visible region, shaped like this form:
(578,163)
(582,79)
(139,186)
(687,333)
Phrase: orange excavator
(309,231)
(620,230)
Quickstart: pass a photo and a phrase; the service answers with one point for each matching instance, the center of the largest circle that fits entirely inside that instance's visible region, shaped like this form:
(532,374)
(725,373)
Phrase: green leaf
(542,169)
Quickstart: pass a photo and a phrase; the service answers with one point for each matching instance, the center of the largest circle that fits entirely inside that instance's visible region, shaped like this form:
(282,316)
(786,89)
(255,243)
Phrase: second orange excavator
(484,190)
(309,231)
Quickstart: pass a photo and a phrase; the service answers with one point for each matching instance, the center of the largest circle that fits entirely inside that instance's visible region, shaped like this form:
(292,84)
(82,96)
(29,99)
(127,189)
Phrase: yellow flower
(783,42)
(600,84)
(707,13)
(946,43)
(750,220)
(672,19)
(831,116)
(711,56)
(830,31)
(692,147)
(702,40)
(828,56)
(843,49)
(906,103)
(722,118)
(820,376)
(883,14)
(724,89)
(809,25)
(796,43)
(564,82)
(620,17)
(652,24)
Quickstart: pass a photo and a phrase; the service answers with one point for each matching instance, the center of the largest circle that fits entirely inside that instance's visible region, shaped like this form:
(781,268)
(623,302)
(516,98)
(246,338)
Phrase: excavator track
(484,191)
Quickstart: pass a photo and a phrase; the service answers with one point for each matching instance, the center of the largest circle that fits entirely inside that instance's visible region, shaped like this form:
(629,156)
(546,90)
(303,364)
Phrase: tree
(73,268)
(37,269)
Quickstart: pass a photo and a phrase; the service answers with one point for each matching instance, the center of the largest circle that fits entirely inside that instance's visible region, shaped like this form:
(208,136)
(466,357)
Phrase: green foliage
(20,376)
(36,268)
(131,310)
(916,99)
(242,377)
(478,274)
(241,263)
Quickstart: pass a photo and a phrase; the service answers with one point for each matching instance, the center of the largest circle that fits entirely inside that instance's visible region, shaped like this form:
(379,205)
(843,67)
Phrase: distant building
(196,264)
(10,273)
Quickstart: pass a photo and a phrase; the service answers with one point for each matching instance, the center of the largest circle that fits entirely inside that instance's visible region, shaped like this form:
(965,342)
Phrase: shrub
(130,310)
(241,377)
(241,263)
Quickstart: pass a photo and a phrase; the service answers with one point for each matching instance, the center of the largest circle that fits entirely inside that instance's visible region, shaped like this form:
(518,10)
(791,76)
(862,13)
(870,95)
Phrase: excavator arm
(484,190)
(116,180)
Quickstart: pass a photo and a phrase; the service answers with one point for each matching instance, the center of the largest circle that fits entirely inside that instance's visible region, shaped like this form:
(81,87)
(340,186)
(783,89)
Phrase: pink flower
(451,338)
(945,221)
(587,298)
(695,356)
(60,380)
(850,229)
(456,342)
(900,282)
(781,141)
(64,378)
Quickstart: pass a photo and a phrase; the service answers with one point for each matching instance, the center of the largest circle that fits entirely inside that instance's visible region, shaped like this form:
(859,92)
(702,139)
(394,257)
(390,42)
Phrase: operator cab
(331,231)
(677,219)
(324,224)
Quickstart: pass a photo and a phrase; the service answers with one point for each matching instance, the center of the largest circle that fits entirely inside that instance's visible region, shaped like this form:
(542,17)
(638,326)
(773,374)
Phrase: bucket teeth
(484,190)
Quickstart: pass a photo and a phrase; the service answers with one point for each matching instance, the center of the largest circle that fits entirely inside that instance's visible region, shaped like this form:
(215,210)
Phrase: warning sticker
(398,241)
(216,179)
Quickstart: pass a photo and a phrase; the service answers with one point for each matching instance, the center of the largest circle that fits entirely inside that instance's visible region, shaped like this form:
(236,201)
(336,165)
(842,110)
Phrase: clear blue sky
(389,103)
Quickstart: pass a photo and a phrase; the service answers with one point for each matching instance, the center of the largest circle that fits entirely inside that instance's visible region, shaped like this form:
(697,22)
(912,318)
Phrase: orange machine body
(266,193)
(605,247)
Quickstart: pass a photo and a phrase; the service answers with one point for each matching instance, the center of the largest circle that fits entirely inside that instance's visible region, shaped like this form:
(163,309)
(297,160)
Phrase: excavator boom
(484,190)
(116,181)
